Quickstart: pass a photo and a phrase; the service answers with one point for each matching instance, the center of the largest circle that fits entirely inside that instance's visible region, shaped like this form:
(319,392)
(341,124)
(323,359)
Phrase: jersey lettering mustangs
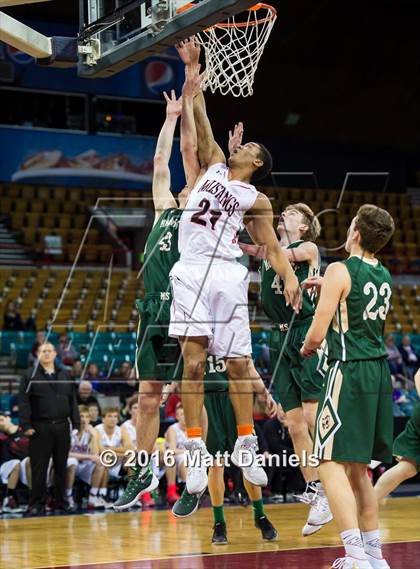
(214,216)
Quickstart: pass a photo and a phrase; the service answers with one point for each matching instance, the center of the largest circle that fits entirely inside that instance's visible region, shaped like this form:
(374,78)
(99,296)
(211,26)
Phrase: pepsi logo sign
(159,76)
(19,56)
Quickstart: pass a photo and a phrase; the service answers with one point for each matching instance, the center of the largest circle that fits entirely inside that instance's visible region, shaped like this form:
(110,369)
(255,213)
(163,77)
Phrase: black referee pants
(50,440)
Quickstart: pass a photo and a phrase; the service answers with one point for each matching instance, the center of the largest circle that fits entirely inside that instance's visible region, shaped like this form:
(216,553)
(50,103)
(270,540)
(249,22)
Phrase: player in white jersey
(130,424)
(209,312)
(115,438)
(83,461)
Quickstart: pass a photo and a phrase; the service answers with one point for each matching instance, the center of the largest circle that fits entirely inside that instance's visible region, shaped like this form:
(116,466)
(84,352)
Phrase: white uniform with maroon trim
(81,445)
(106,441)
(209,285)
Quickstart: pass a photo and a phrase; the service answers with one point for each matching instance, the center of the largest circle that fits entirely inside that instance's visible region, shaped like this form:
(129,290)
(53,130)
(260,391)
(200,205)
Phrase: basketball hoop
(233,50)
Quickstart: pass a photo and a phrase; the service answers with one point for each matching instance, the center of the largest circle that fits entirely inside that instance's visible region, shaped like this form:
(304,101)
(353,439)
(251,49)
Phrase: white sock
(372,543)
(102,492)
(94,491)
(353,544)
(241,438)
(69,492)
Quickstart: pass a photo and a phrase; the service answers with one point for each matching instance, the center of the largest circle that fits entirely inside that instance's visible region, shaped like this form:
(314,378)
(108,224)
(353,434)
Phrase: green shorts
(407,444)
(222,432)
(355,422)
(157,355)
(296,379)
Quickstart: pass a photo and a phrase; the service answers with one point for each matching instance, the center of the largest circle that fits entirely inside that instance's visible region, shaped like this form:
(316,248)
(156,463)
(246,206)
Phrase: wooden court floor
(156,540)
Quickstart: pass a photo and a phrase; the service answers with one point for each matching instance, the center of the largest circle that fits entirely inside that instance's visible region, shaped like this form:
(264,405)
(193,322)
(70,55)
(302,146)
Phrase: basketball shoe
(197,456)
(350,563)
(268,531)
(245,456)
(187,504)
(320,513)
(219,534)
(142,480)
(376,563)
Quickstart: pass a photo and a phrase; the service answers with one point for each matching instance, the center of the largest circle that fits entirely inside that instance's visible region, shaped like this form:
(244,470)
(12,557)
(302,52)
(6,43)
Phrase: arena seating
(36,211)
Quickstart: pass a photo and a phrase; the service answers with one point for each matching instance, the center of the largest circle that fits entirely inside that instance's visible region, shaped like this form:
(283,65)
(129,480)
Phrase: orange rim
(271,15)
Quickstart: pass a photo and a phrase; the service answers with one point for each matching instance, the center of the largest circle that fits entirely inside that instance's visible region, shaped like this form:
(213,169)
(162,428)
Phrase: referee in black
(47,412)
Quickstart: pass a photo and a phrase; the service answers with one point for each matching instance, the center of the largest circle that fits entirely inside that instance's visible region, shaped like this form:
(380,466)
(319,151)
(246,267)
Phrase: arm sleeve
(24,404)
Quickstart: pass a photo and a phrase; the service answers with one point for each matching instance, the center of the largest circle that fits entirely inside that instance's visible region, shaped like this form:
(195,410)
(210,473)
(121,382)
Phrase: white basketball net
(233,50)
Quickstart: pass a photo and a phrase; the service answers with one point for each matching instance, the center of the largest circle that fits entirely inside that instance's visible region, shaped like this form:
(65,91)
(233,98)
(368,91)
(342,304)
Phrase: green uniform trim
(355,421)
(295,379)
(407,444)
(158,357)
(272,296)
(357,330)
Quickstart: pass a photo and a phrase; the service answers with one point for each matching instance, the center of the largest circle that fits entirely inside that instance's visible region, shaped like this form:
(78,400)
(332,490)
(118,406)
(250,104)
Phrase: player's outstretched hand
(271,407)
(235,137)
(193,81)
(312,283)
(173,105)
(306,352)
(258,251)
(292,292)
(189,51)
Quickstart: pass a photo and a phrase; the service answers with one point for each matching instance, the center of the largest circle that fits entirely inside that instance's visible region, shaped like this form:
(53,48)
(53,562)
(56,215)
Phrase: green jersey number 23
(372,310)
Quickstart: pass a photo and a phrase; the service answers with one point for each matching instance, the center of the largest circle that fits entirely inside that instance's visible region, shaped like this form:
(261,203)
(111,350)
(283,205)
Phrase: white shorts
(212,300)
(6,469)
(84,469)
(23,466)
(114,471)
(23,475)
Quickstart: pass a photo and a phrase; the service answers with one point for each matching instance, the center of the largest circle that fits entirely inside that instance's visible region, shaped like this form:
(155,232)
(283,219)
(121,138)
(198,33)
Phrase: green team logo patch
(328,422)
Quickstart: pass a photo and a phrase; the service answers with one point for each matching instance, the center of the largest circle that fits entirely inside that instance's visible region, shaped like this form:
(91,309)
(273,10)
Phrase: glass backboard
(115,34)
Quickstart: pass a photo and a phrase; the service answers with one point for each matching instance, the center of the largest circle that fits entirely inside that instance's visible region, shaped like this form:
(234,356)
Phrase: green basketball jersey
(161,252)
(216,378)
(272,296)
(357,330)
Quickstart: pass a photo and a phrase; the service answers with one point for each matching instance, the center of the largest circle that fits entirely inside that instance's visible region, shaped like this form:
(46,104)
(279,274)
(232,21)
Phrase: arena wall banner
(145,80)
(36,156)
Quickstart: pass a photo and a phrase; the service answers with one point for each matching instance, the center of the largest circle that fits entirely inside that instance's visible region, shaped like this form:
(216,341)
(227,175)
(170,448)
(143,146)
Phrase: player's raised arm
(161,189)
(209,152)
(262,233)
(336,285)
(306,251)
(189,144)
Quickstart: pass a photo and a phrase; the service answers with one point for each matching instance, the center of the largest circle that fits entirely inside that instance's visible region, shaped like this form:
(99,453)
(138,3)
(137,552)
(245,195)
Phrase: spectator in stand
(280,443)
(130,424)
(116,438)
(30,323)
(84,461)
(410,358)
(47,404)
(12,319)
(13,449)
(394,356)
(129,386)
(66,351)
(76,370)
(85,394)
(94,414)
(33,354)
(95,377)
(176,436)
